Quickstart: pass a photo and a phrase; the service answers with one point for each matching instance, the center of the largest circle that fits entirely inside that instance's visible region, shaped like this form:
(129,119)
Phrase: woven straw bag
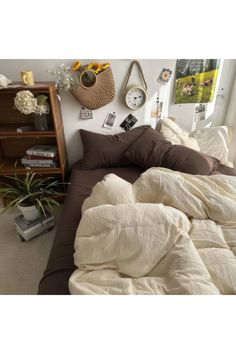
(100,94)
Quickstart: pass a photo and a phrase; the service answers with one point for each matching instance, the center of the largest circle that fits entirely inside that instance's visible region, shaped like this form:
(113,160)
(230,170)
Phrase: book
(29,229)
(39,165)
(25,128)
(42,150)
(38,162)
(35,158)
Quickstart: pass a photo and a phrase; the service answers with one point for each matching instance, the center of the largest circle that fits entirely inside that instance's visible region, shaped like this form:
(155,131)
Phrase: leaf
(50,201)
(41,99)
(41,206)
(12,204)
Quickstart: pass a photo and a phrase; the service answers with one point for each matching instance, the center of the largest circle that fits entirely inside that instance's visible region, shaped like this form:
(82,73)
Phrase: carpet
(22,263)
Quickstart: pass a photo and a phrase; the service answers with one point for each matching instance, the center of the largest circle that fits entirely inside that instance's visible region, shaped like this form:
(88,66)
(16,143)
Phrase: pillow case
(172,132)
(152,150)
(107,150)
(214,141)
(148,150)
(183,159)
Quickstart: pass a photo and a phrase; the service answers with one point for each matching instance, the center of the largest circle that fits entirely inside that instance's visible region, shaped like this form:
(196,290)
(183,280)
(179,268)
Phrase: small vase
(40,122)
(30,213)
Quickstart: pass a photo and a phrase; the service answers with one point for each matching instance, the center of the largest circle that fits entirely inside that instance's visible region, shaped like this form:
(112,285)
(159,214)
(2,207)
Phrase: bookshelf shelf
(13,144)
(8,167)
(9,130)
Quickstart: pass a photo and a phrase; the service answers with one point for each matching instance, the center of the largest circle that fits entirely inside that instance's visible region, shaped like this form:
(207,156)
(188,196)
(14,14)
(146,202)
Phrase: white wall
(231,121)
(151,68)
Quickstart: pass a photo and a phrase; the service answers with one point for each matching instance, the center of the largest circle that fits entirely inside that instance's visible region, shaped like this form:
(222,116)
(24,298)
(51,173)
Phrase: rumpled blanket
(168,233)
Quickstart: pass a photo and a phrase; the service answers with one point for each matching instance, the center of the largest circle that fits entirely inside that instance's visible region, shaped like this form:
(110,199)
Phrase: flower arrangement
(26,103)
(67,77)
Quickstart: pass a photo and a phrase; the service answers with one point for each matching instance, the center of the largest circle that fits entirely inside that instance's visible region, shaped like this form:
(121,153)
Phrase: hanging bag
(96,92)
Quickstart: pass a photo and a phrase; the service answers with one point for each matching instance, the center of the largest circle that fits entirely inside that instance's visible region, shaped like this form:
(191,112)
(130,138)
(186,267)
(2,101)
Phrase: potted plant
(31,195)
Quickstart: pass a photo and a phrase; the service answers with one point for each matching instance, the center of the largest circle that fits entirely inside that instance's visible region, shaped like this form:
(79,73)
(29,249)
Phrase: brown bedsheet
(61,263)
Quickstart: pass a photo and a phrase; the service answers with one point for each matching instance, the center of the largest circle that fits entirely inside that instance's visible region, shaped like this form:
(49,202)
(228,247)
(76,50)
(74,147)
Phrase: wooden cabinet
(13,145)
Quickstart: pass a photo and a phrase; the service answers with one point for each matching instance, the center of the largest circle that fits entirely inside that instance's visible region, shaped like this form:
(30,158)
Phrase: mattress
(61,263)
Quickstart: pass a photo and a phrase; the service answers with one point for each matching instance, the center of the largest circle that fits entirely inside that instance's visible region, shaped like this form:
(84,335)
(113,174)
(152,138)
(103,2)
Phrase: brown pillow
(224,170)
(148,150)
(107,150)
(183,159)
(153,150)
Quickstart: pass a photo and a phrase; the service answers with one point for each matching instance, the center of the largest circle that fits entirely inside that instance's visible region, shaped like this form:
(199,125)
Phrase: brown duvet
(61,263)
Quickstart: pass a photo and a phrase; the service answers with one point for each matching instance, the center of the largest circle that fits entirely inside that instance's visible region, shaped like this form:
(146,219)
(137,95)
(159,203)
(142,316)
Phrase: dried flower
(26,103)
(65,80)
(76,66)
(68,78)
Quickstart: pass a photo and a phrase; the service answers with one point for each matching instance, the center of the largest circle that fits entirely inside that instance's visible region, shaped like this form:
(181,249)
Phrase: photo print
(109,120)
(200,112)
(86,113)
(165,76)
(129,122)
(196,80)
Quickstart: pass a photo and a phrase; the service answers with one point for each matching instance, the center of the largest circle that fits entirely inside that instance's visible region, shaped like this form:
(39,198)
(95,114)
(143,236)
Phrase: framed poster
(196,80)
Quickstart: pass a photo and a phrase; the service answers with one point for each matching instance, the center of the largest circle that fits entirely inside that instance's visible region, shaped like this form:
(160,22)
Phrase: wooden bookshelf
(13,144)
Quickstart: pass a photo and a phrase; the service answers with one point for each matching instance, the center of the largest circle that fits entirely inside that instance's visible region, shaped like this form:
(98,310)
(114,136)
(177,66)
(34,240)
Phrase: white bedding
(213,141)
(168,233)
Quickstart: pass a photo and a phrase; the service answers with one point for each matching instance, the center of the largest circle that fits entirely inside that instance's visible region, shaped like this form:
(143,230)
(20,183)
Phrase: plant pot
(40,122)
(30,213)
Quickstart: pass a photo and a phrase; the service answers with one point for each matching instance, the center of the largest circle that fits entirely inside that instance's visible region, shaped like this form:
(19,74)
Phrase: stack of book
(41,156)
(29,229)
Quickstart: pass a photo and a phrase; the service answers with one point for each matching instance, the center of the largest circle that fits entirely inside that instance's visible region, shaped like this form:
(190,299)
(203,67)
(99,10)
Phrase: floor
(22,263)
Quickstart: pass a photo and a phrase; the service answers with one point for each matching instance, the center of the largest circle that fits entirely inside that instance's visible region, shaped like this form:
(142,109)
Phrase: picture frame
(109,120)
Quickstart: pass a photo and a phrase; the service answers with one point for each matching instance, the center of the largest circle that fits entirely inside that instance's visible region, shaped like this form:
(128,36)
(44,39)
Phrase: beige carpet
(22,263)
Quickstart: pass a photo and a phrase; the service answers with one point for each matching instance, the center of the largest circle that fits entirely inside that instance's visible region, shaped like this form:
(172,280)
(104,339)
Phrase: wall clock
(135,96)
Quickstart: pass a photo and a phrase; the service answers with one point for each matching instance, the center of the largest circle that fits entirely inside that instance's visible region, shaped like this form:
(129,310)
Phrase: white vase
(30,213)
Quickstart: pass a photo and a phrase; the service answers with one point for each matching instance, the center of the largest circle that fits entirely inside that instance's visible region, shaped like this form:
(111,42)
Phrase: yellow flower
(105,66)
(76,66)
(95,67)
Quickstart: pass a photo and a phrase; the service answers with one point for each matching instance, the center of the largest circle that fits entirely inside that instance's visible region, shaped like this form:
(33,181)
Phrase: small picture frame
(109,120)
(165,76)
(86,113)
(128,122)
(200,112)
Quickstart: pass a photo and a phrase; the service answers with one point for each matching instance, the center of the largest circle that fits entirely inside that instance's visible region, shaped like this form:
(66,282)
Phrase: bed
(61,263)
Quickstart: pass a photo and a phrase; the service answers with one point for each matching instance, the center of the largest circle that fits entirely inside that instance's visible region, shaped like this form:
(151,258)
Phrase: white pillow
(214,141)
(177,136)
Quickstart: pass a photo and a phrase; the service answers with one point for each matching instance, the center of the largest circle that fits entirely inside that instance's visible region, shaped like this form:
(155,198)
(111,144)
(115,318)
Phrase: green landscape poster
(196,80)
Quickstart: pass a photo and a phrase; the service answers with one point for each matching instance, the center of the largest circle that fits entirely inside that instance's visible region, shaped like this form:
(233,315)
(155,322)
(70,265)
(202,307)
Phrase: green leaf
(41,207)
(41,99)
(50,201)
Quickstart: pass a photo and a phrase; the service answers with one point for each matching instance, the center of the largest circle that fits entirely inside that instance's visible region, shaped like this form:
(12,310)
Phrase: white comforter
(168,233)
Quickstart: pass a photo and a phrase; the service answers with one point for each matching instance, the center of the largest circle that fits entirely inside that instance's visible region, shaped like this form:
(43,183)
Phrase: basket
(100,94)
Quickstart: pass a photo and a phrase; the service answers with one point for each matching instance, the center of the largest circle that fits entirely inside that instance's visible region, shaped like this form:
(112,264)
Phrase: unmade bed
(129,156)
(61,263)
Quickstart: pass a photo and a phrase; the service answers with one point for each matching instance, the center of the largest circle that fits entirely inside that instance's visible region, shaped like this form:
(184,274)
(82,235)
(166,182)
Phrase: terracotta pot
(30,213)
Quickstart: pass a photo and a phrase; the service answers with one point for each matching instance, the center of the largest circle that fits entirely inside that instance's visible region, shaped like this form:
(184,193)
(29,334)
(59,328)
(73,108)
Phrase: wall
(231,121)
(151,68)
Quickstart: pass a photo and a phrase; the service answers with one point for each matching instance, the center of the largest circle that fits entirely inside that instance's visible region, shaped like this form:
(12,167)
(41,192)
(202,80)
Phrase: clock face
(135,98)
